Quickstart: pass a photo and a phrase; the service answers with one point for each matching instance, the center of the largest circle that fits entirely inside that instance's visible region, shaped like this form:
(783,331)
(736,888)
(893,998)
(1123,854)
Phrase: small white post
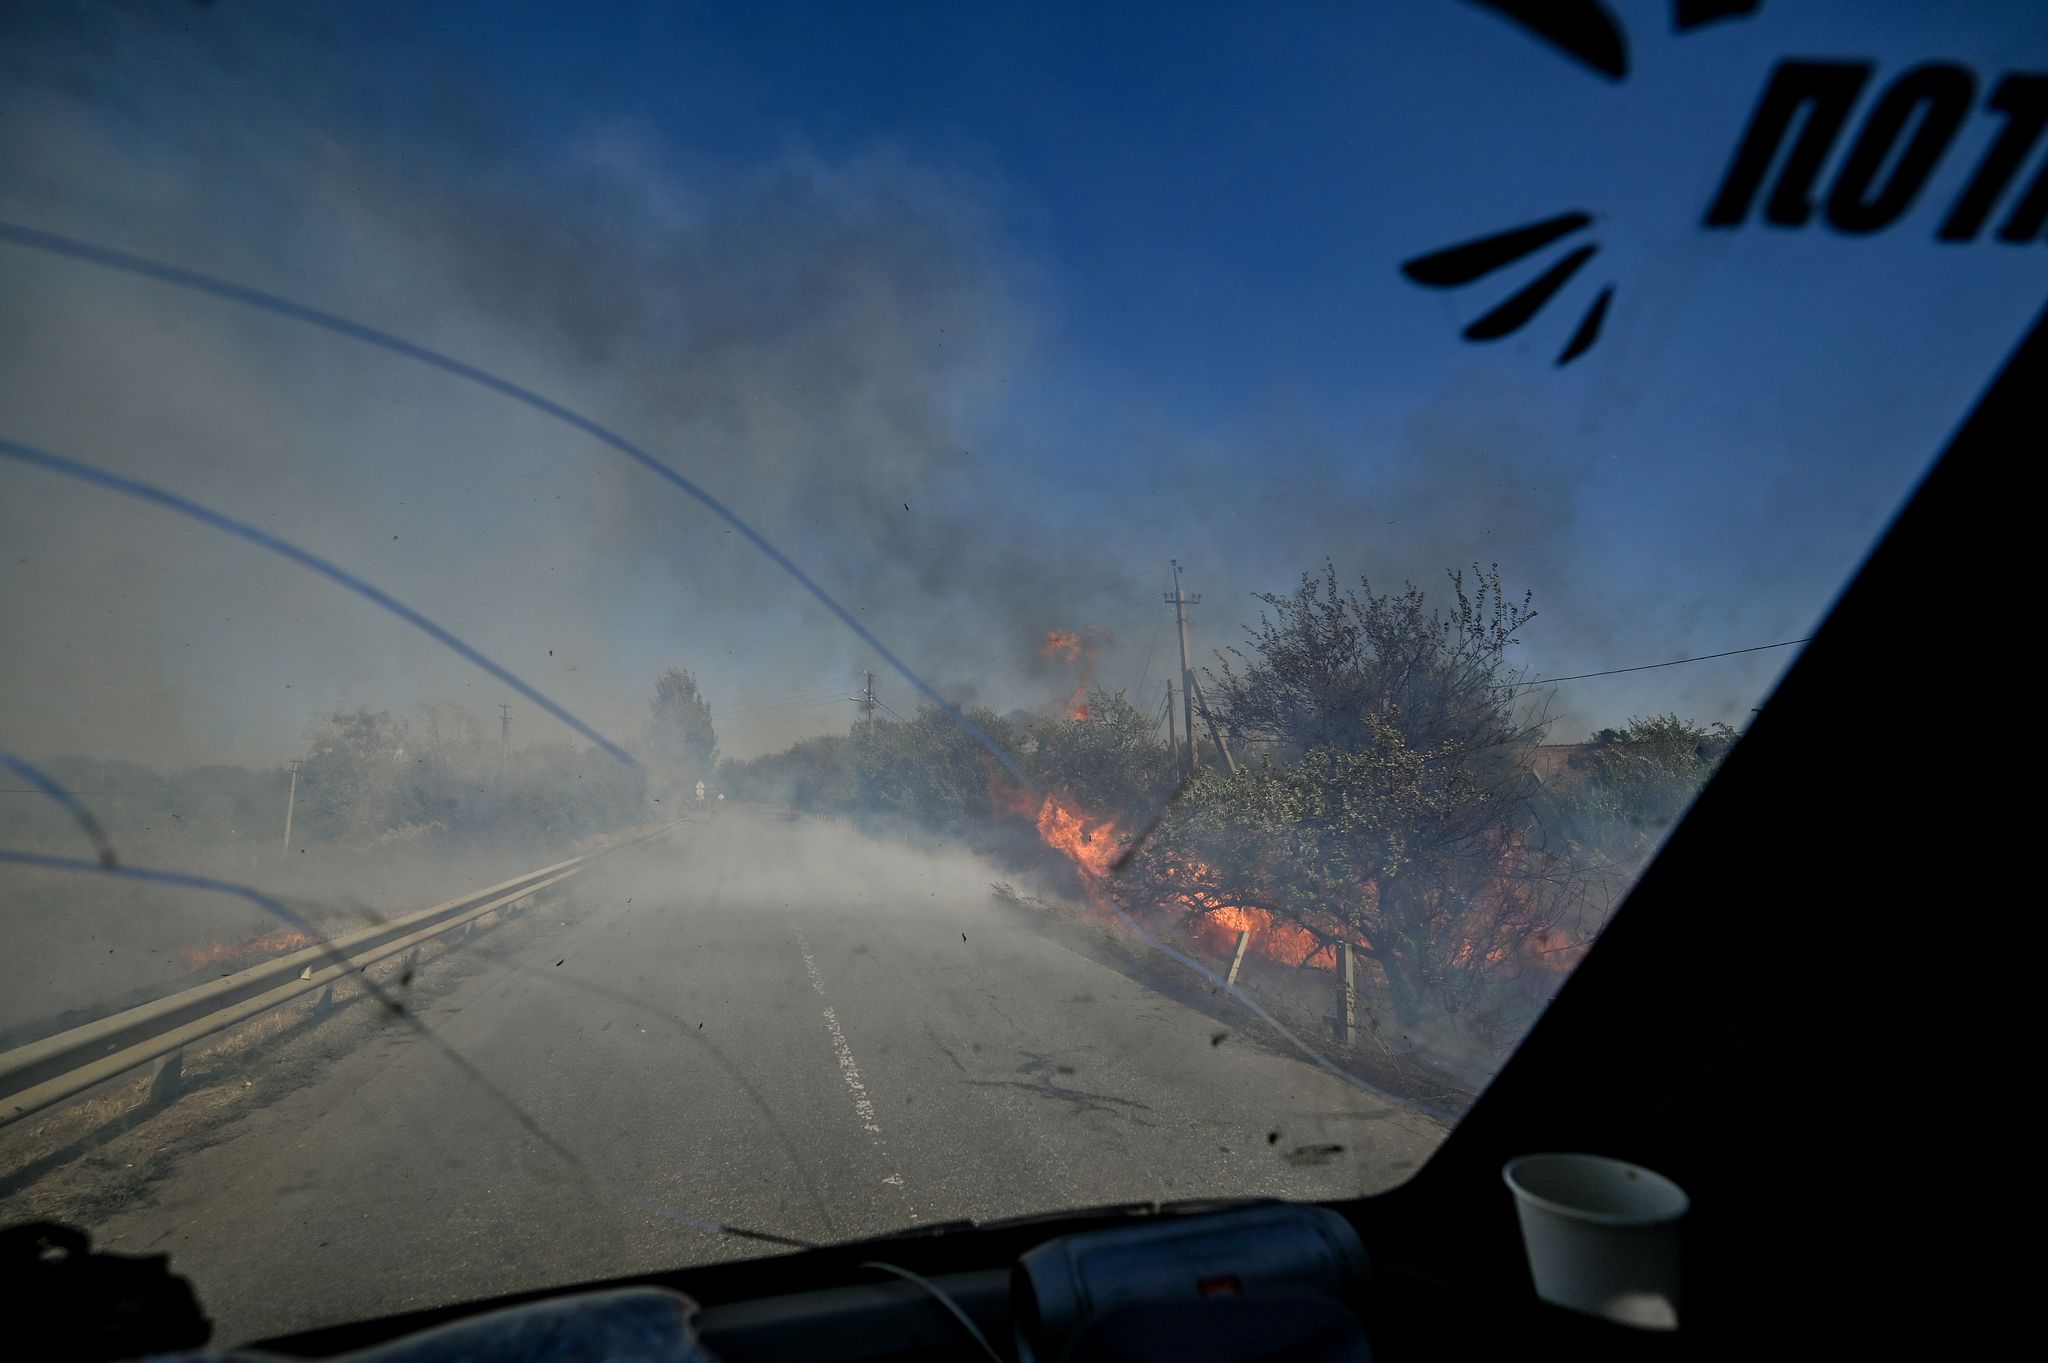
(1350,998)
(1244,939)
(291,799)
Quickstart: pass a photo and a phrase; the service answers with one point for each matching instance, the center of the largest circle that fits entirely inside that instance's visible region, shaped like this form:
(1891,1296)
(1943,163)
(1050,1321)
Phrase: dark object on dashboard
(624,1325)
(1097,1286)
(104,1305)
(1299,1327)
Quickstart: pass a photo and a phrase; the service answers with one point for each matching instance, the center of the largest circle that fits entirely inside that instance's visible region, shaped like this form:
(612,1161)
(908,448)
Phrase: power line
(1649,667)
(769,713)
(756,701)
(1049,606)
(774,706)
(1150,654)
(1132,609)
(771,719)
(830,694)
(1118,610)
(724,714)
(752,699)
(802,702)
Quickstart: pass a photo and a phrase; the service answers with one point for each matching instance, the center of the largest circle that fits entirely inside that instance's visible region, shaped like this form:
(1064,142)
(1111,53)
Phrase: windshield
(646,635)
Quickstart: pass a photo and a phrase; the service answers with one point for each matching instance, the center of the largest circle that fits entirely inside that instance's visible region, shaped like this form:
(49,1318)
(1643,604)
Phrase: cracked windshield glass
(650,633)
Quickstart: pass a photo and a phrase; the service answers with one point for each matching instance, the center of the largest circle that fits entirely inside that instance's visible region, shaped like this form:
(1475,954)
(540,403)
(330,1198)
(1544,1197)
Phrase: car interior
(1767,1074)
(1774,1019)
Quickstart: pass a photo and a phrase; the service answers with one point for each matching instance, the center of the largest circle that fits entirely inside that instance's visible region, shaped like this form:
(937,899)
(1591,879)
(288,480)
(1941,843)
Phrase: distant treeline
(436,776)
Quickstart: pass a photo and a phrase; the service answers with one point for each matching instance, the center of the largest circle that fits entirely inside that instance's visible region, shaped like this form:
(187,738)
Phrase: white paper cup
(1601,1235)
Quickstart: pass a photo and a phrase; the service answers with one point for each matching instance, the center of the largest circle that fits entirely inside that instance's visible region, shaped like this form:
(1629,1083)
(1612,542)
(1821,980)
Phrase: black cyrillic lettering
(2023,99)
(1939,95)
(2030,214)
(1831,89)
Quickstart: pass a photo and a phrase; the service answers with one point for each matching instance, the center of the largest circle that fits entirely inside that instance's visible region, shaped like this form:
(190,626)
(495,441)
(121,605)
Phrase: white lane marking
(863,1106)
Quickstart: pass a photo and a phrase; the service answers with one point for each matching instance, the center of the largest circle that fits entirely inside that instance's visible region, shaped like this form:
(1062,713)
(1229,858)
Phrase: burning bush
(1384,848)
(1108,760)
(1388,801)
(1392,807)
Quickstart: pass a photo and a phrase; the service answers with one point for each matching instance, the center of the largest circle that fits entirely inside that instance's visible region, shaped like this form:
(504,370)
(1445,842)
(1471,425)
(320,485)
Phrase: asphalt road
(771,1025)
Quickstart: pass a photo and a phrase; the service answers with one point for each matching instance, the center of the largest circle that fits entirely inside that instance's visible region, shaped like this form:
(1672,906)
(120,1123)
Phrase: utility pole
(1215,734)
(1190,685)
(1172,743)
(1180,601)
(867,702)
(291,798)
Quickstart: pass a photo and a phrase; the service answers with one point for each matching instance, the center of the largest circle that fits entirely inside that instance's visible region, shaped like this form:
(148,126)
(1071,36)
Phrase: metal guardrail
(48,1071)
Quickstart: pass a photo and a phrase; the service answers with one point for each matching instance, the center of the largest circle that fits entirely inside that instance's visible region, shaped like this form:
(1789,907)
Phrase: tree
(1330,668)
(814,775)
(1111,763)
(681,743)
(929,770)
(1639,778)
(1393,806)
(353,781)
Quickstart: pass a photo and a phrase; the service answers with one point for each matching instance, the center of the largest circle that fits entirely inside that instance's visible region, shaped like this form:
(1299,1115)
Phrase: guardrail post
(167,1078)
(1244,939)
(1350,998)
(324,1002)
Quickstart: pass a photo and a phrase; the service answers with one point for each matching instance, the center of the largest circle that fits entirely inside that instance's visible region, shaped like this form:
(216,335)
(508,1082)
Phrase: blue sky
(1144,304)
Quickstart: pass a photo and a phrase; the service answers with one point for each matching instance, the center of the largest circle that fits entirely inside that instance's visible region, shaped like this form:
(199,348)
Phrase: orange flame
(270,944)
(1090,843)
(1076,647)
(1068,645)
(1093,846)
(1287,943)
(1216,925)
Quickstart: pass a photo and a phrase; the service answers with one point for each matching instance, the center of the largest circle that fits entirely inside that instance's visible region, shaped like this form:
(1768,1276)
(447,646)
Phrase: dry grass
(102,1150)
(1308,1003)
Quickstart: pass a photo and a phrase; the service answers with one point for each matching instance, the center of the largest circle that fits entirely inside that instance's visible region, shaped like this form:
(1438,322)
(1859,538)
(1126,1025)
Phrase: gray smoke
(803,340)
(842,348)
